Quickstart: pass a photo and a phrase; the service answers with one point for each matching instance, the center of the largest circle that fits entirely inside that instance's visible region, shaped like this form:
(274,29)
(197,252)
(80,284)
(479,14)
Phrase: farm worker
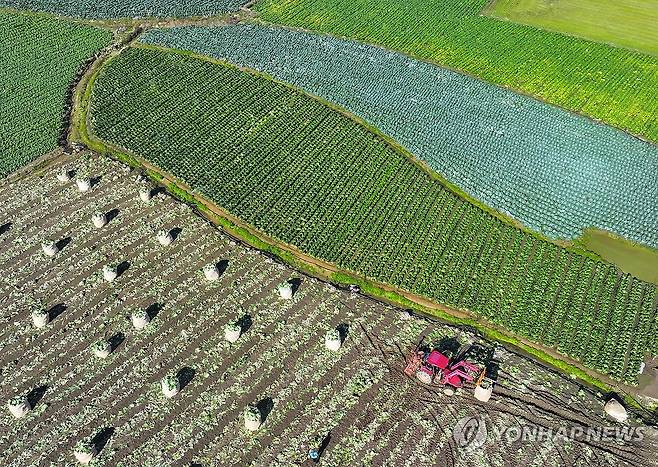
(314,454)
(319,445)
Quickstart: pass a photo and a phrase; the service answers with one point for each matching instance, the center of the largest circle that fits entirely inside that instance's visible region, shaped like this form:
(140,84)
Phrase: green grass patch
(630,257)
(631,24)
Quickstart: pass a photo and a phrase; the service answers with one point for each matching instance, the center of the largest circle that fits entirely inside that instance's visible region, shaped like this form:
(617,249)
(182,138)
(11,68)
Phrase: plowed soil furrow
(56,219)
(273,390)
(100,380)
(291,424)
(63,321)
(76,353)
(296,317)
(99,295)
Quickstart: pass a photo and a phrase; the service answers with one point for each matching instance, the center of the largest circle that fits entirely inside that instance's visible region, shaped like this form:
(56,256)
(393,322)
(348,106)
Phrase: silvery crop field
(163,320)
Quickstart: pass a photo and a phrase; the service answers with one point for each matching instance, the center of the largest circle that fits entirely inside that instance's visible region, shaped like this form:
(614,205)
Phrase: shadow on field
(63,243)
(154,309)
(185,376)
(55,311)
(296,283)
(36,395)
(102,438)
(222,266)
(344,330)
(265,406)
(4,228)
(95,181)
(112,214)
(245,323)
(116,340)
(122,267)
(175,232)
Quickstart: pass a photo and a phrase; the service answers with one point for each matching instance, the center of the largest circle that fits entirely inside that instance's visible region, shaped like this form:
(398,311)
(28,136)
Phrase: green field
(632,258)
(313,178)
(615,85)
(39,57)
(629,23)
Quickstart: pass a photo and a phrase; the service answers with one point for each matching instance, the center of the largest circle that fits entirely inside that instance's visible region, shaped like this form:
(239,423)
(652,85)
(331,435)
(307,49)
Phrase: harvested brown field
(356,398)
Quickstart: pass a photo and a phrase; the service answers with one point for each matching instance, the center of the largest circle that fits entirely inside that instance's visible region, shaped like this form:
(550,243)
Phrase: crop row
(108,9)
(610,84)
(357,393)
(39,57)
(313,178)
(555,172)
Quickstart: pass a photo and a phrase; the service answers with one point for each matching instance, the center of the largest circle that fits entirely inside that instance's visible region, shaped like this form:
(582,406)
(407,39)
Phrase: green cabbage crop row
(555,172)
(311,177)
(39,59)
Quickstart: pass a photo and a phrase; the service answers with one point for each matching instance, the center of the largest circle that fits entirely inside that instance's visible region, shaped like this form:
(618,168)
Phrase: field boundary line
(315,267)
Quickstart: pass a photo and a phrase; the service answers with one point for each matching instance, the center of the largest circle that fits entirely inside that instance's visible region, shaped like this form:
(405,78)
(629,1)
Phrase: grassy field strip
(630,24)
(40,57)
(579,75)
(552,171)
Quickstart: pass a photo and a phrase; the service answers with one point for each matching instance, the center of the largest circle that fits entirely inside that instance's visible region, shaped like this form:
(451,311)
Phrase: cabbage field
(555,172)
(313,178)
(614,85)
(107,9)
(39,57)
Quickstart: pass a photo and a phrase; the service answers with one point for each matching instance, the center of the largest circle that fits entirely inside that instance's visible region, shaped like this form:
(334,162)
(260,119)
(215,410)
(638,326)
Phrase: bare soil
(358,398)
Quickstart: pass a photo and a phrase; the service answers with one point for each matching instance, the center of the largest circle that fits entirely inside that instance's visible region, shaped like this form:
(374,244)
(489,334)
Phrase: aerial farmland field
(300,232)
(550,170)
(630,24)
(373,186)
(614,85)
(39,57)
(279,362)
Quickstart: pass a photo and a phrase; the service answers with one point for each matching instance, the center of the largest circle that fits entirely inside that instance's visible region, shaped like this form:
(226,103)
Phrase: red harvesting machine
(433,367)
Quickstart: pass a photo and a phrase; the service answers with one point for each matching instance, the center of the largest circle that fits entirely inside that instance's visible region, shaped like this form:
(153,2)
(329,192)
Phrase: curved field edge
(528,60)
(574,247)
(524,294)
(450,126)
(628,25)
(313,266)
(41,57)
(630,257)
